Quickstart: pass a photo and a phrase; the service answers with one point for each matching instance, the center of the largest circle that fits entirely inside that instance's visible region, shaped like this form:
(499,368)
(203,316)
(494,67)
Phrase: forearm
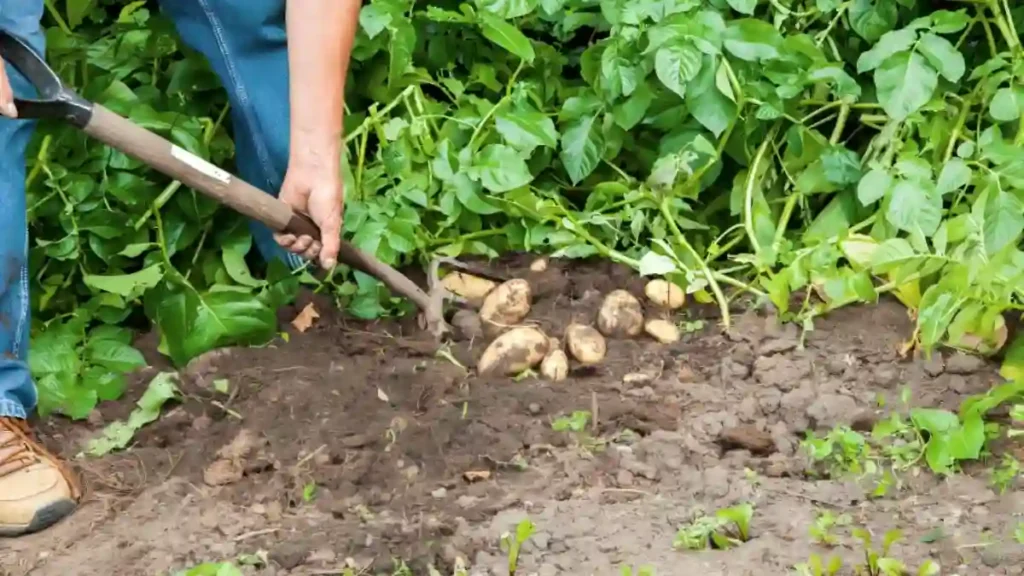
(320,38)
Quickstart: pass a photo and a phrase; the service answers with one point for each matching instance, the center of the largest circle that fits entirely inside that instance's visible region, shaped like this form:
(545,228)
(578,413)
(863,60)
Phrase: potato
(514,351)
(539,265)
(662,330)
(507,304)
(472,288)
(555,366)
(665,294)
(585,343)
(620,315)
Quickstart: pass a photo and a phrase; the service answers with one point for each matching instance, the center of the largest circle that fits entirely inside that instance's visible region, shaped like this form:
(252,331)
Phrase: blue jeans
(244,41)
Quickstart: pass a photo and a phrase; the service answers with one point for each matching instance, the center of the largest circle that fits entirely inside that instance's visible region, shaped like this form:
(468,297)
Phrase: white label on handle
(201,165)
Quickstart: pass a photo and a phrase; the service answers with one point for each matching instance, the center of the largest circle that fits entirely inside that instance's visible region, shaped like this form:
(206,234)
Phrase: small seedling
(1004,474)
(821,530)
(1018,534)
(212,569)
(512,544)
(577,424)
(641,571)
(879,563)
(309,492)
(842,450)
(728,528)
(815,566)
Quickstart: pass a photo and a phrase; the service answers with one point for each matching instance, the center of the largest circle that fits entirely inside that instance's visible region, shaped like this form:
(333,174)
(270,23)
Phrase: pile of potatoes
(516,348)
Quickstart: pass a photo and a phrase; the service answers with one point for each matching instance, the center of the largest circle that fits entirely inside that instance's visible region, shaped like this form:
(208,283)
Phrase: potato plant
(808,153)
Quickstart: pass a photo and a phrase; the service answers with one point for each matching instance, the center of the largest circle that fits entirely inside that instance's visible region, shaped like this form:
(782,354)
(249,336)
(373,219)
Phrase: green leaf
(707,103)
(235,247)
(874,186)
(950,22)
(508,8)
(913,206)
(905,82)
(127,285)
(507,36)
(401,44)
(1004,220)
(752,40)
(500,169)
(955,175)
(374,19)
(943,56)
(654,264)
(1007,105)
(526,129)
(193,323)
(743,6)
(468,193)
(114,355)
(677,64)
(581,148)
(870,19)
(629,113)
(891,44)
(77,10)
(117,435)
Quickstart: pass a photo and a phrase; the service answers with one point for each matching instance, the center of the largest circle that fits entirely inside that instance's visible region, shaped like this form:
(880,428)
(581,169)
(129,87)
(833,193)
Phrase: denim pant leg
(18,395)
(244,41)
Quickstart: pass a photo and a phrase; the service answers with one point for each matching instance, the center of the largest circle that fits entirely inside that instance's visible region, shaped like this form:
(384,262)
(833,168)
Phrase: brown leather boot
(36,490)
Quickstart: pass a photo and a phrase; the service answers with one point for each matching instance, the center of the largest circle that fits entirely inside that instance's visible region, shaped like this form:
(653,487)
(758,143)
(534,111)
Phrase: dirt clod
(964,364)
(747,437)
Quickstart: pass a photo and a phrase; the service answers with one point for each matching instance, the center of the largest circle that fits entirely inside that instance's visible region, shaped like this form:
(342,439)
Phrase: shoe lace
(22,451)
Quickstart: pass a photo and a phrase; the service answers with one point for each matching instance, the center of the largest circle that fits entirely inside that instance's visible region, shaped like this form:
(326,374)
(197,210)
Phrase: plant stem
(961,119)
(366,124)
(471,236)
(1005,27)
(159,203)
(837,131)
(55,14)
(787,213)
(748,192)
(723,303)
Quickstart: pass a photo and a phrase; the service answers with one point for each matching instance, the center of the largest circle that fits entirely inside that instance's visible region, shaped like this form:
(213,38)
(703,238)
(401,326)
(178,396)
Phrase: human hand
(6,94)
(317,189)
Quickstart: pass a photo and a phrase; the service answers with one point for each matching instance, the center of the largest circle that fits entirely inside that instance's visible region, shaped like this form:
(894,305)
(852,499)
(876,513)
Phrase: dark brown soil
(354,443)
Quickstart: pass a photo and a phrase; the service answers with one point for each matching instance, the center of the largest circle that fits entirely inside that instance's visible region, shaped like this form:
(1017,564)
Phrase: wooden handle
(180,164)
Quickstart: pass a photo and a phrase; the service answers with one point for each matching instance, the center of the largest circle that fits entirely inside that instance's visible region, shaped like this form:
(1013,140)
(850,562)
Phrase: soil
(354,444)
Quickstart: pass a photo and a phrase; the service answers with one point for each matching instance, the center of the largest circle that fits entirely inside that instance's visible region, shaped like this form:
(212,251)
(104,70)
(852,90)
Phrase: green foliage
(939,438)
(880,563)
(117,435)
(838,149)
(728,528)
(512,544)
(821,530)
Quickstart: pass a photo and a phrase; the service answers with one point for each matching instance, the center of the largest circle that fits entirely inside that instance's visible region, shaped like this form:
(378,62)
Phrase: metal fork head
(54,100)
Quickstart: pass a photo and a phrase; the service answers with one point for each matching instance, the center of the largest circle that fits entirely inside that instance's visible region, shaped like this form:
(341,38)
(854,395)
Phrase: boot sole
(44,518)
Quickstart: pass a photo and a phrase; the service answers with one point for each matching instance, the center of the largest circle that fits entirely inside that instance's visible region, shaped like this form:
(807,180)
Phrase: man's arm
(320,38)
